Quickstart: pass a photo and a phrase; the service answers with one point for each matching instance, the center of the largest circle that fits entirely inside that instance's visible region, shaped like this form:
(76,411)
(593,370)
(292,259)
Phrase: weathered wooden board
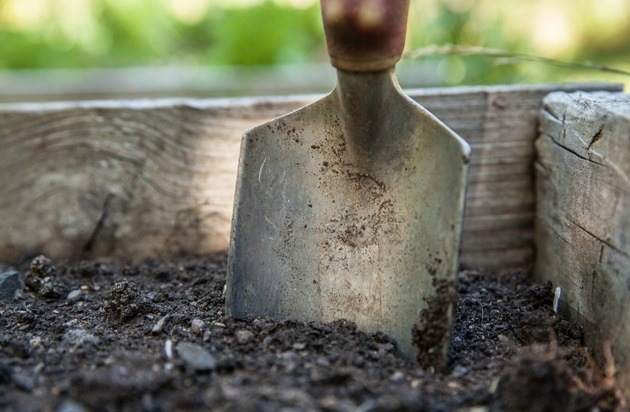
(583,214)
(138,178)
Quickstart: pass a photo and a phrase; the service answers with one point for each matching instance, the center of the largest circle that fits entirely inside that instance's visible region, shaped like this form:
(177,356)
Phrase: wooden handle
(365,35)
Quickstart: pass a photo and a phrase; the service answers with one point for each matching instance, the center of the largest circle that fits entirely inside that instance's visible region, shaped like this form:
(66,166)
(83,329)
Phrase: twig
(452,49)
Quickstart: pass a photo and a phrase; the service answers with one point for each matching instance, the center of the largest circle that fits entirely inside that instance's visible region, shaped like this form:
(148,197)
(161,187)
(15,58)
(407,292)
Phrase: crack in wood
(100,223)
(551,114)
(573,152)
(597,136)
(605,242)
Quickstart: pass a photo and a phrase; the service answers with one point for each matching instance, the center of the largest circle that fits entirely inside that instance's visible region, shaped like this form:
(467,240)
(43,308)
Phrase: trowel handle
(365,35)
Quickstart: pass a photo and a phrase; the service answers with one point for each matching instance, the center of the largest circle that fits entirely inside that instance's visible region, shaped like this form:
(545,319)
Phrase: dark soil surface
(152,336)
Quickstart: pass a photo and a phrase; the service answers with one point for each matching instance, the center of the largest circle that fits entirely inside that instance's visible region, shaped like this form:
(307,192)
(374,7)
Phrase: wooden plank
(482,240)
(486,171)
(155,177)
(122,178)
(583,215)
(491,204)
(513,259)
(517,220)
(517,185)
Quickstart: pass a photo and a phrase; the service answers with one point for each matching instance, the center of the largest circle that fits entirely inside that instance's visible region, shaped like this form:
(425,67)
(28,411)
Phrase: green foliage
(263,34)
(134,33)
(141,32)
(448,24)
(117,33)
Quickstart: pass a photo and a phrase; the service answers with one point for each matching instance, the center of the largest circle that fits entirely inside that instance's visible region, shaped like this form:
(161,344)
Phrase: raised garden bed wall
(583,217)
(130,179)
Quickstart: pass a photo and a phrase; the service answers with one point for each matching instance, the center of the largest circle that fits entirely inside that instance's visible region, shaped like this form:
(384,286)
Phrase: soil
(153,336)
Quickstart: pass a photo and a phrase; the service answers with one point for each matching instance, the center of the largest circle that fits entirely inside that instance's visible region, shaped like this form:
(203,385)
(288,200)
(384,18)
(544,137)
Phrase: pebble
(196,357)
(243,336)
(75,295)
(460,371)
(36,343)
(397,376)
(299,346)
(196,325)
(457,343)
(478,409)
(157,328)
(10,282)
(80,337)
(168,349)
(71,406)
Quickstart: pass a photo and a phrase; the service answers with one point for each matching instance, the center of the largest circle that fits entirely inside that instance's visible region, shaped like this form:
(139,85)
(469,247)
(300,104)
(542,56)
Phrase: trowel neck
(363,98)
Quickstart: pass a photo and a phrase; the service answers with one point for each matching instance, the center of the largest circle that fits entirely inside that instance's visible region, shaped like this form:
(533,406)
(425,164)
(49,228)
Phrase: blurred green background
(87,34)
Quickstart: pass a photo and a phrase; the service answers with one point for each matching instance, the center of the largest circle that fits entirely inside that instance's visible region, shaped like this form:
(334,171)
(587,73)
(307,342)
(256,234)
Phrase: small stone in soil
(196,325)
(168,349)
(243,336)
(196,357)
(74,295)
(78,337)
(70,406)
(10,282)
(459,371)
(36,343)
(159,326)
(397,376)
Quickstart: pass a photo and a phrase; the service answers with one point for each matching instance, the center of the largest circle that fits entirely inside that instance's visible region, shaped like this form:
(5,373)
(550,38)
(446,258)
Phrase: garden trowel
(351,208)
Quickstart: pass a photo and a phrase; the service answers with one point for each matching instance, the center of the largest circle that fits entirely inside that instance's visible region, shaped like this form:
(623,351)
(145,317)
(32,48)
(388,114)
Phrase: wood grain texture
(583,214)
(138,178)
(500,124)
(124,179)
